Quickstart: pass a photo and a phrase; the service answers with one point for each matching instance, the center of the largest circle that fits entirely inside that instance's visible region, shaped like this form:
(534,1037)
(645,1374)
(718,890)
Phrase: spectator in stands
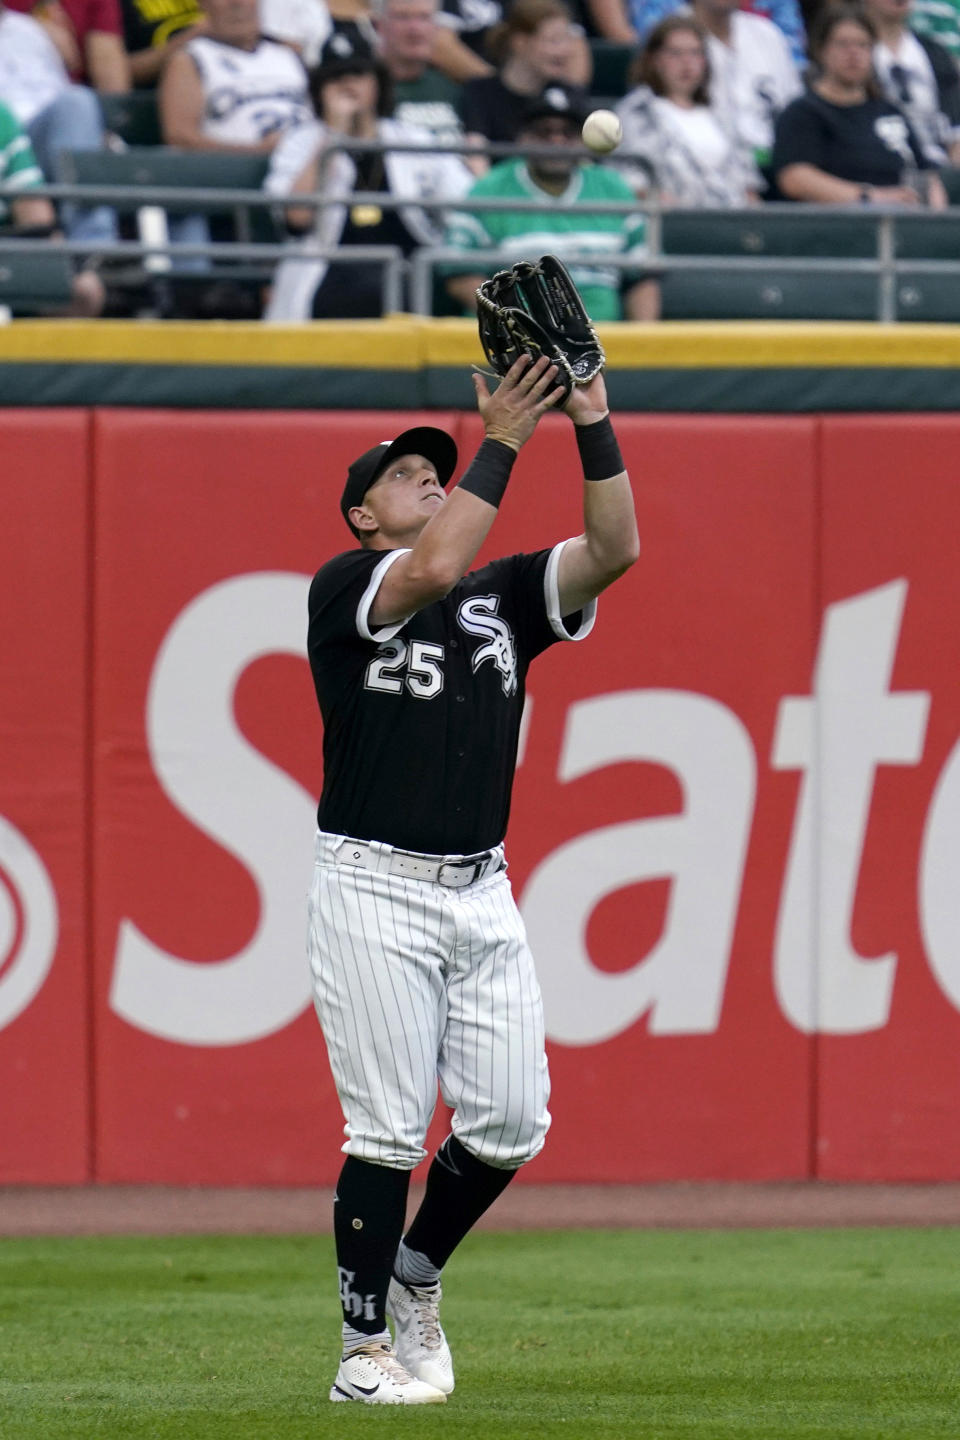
(667,119)
(56,114)
(940,20)
(562,224)
(352,100)
(787,15)
(33,214)
(451,53)
(229,88)
(536,45)
(920,77)
(89,36)
(840,142)
(752,73)
(422,94)
(152,33)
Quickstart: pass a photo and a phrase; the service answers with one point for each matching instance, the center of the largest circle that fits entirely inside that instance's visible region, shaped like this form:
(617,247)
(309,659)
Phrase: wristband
(489,471)
(599,451)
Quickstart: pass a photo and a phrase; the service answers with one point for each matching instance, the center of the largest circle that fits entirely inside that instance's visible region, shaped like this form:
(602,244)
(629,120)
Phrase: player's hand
(588,403)
(525,393)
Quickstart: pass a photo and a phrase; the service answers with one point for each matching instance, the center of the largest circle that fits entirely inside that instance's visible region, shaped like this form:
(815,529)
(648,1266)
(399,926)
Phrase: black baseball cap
(556,100)
(426,440)
(346,52)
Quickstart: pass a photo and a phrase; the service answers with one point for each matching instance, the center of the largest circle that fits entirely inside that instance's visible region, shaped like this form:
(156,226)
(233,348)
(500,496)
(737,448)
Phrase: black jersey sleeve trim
(551,594)
(386,632)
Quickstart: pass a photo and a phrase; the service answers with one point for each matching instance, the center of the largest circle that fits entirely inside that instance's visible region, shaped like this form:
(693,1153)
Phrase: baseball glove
(536,308)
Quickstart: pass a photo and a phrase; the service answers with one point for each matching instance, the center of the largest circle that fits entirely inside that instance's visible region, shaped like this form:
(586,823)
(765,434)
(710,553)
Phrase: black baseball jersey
(422,719)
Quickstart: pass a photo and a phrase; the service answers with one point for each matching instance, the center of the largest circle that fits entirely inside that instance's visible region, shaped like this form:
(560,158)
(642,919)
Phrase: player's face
(404,497)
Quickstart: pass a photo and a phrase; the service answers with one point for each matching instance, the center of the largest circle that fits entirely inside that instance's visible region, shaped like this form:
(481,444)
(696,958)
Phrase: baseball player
(420,965)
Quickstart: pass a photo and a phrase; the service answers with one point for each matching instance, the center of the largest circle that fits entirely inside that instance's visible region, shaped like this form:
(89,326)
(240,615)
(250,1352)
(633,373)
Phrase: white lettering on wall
(681,981)
(240,799)
(837,738)
(940,880)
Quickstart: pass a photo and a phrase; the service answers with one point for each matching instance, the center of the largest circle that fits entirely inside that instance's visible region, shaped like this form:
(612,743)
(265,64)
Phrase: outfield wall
(408,361)
(736,830)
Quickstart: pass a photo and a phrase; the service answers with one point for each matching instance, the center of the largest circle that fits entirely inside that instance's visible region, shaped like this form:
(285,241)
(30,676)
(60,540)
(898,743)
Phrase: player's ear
(362,519)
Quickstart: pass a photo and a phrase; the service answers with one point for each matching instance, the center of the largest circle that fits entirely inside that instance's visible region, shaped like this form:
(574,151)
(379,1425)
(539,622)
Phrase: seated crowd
(723,105)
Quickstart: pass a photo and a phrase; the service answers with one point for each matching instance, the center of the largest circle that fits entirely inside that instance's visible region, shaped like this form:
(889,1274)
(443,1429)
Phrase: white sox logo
(478,616)
(893,131)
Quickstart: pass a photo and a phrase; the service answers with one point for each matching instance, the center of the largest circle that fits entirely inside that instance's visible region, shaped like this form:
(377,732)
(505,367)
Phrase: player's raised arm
(610,543)
(406,506)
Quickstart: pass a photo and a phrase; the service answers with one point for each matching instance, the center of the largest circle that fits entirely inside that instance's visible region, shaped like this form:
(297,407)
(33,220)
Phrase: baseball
(602,131)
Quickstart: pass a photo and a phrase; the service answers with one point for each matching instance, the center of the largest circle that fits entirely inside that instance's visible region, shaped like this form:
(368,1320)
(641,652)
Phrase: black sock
(459,1189)
(368,1217)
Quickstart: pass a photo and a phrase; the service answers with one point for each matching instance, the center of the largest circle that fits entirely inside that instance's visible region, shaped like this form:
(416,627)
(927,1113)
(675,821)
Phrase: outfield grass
(718,1335)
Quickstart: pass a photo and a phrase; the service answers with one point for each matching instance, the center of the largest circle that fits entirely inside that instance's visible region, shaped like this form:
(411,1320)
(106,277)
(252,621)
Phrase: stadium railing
(775,261)
(38,281)
(159,166)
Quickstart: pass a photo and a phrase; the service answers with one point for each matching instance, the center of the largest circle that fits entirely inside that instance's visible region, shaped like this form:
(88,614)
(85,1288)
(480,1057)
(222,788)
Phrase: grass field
(718,1335)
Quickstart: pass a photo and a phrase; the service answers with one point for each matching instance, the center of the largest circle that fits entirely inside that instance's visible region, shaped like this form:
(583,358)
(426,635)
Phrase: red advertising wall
(44,793)
(891,511)
(719,607)
(734,830)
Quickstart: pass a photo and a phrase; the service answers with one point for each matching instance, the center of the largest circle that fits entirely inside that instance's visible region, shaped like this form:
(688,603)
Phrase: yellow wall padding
(405,342)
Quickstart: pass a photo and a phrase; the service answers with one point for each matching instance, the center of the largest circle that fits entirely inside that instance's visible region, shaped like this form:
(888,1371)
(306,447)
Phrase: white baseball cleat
(374,1375)
(421,1344)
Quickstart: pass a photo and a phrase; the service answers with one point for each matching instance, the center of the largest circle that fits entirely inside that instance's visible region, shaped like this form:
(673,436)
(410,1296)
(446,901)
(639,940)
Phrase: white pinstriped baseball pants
(414,983)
